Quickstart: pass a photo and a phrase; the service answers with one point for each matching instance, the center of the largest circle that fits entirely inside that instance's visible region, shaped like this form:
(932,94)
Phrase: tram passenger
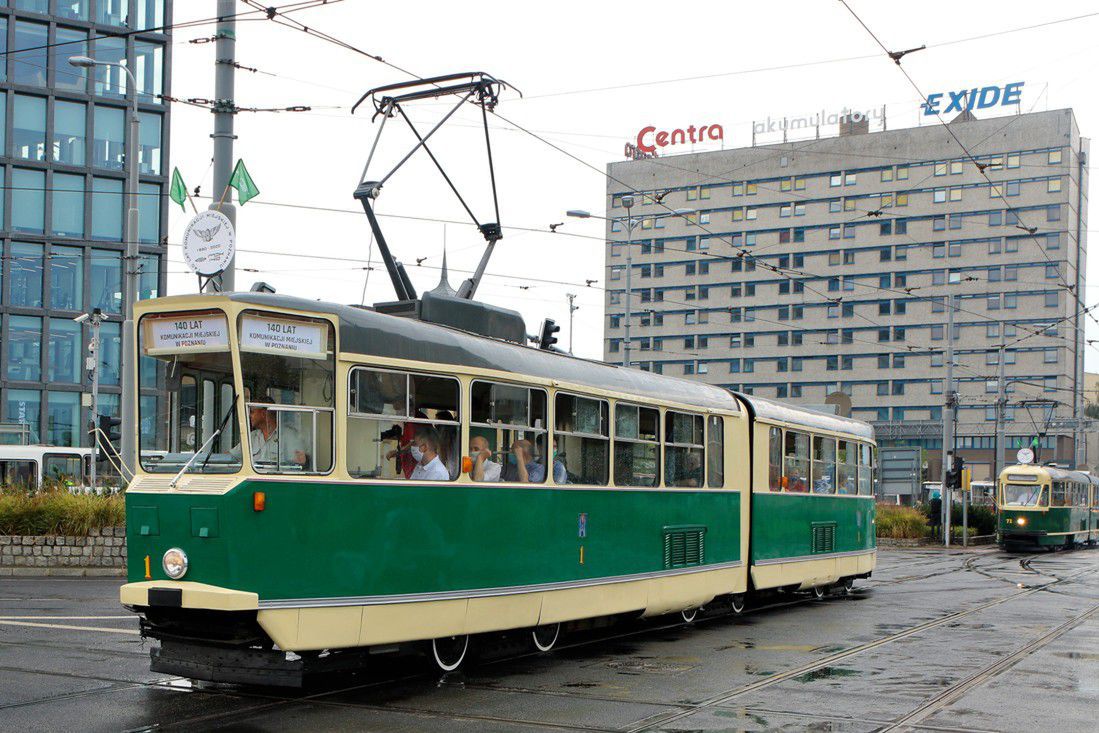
(448,442)
(795,482)
(560,471)
(484,468)
(425,451)
(522,467)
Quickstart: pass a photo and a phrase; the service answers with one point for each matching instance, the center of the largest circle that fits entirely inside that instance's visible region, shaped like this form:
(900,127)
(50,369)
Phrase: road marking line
(70,627)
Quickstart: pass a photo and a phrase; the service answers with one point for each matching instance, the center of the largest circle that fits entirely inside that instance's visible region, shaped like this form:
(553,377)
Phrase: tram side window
(1058,494)
(824,465)
(507,434)
(683,449)
(66,470)
(581,438)
(402,426)
(774,459)
(715,452)
(866,470)
(636,445)
(796,462)
(847,473)
(20,475)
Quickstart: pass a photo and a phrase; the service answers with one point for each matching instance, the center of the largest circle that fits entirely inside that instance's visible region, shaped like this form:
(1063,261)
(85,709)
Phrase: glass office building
(63,166)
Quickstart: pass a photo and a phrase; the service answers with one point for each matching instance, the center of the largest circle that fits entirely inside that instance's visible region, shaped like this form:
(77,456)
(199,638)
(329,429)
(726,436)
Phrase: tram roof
(765,409)
(366,331)
(1053,472)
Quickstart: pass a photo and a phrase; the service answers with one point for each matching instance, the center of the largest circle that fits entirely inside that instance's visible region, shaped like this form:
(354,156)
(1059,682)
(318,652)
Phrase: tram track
(957,691)
(831,659)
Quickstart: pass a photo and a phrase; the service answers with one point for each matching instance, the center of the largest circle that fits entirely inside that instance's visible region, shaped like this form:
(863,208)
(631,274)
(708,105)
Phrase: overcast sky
(592,75)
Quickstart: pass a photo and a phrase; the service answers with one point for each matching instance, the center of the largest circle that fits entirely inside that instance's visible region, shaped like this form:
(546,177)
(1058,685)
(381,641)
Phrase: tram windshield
(1024,495)
(288,365)
(197,428)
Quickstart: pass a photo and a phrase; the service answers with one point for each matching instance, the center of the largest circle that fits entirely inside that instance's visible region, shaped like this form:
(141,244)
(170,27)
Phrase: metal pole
(224,113)
(572,309)
(948,418)
(1001,401)
(627,201)
(93,366)
(128,414)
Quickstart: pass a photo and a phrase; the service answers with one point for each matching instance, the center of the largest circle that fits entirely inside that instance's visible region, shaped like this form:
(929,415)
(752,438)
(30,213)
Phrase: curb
(62,572)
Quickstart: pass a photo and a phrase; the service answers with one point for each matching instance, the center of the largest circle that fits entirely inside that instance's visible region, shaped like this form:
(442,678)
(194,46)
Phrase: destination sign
(182,333)
(280,335)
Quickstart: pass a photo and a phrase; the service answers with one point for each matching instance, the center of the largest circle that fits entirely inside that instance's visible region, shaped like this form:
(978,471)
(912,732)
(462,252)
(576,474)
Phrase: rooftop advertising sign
(970,99)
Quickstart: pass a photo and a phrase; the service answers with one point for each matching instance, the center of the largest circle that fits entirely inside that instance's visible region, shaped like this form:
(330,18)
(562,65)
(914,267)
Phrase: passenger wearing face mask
(484,468)
(425,451)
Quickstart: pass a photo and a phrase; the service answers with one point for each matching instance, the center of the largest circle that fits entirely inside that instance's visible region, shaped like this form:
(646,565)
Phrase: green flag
(178,191)
(240,180)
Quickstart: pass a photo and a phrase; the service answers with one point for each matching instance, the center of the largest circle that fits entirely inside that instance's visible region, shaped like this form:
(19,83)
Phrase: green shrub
(901,522)
(57,512)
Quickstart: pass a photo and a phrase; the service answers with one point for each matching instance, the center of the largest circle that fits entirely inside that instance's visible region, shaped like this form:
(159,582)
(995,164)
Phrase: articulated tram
(1043,507)
(334,478)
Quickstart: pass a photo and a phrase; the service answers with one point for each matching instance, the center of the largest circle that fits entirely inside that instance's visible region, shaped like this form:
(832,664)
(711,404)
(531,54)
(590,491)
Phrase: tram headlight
(174,563)
(1020,521)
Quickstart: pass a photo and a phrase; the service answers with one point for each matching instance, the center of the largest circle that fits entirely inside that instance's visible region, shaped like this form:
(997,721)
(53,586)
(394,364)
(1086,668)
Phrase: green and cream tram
(328,477)
(1042,507)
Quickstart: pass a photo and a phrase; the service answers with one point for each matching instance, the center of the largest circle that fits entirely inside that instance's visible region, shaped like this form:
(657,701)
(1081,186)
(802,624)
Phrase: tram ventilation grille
(684,546)
(824,537)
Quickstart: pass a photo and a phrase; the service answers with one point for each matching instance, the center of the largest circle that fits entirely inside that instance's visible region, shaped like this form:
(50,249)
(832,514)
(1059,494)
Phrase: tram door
(200,406)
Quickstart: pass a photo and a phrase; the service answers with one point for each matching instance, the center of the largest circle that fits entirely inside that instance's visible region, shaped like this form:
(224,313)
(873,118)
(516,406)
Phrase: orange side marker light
(467,464)
(259,501)
(148,569)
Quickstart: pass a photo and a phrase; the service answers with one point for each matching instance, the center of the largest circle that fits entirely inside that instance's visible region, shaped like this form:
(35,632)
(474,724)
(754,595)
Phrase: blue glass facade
(63,140)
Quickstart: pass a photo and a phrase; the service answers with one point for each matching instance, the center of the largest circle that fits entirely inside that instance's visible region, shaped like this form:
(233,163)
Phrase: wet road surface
(948,641)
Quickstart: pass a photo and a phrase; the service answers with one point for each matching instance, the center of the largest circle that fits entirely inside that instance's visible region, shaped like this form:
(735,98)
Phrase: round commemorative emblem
(1025,455)
(209,243)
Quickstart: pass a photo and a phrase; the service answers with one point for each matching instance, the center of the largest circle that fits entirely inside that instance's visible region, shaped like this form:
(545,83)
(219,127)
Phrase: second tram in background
(1043,507)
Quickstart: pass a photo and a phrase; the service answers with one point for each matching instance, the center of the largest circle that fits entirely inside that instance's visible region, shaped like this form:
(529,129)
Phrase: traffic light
(546,338)
(111,427)
(954,475)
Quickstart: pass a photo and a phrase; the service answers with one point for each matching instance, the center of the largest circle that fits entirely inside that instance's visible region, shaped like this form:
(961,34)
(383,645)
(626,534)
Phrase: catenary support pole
(627,201)
(1001,403)
(224,113)
(948,418)
(93,366)
(131,273)
(573,307)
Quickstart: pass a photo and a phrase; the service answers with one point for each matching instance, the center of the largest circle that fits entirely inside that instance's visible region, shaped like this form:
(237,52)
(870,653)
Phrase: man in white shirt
(271,444)
(484,468)
(425,451)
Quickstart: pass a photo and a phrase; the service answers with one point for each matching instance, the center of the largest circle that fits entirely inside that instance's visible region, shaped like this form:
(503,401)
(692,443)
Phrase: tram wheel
(689,614)
(818,591)
(450,651)
(545,637)
(737,603)
(848,585)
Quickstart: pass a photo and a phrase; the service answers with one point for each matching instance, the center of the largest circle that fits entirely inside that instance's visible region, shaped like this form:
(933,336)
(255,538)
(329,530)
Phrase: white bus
(27,466)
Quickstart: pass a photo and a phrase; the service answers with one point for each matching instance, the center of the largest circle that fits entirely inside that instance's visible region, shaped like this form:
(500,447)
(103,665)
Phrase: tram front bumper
(186,594)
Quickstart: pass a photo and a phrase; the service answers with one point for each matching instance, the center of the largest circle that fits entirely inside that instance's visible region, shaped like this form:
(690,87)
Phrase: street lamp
(631,222)
(128,412)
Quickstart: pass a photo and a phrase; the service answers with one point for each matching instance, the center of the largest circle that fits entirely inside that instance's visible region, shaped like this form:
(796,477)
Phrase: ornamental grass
(901,522)
(56,511)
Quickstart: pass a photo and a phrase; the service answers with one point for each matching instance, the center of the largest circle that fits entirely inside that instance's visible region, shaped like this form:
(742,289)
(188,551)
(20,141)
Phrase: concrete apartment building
(821,267)
(62,216)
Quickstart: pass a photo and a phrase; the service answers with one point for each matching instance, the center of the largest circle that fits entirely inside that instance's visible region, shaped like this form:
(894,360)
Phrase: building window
(31,55)
(68,205)
(111,12)
(1053,185)
(66,351)
(1053,213)
(29,127)
(69,132)
(28,200)
(106,280)
(24,349)
(1013,160)
(1011,188)
(955,167)
(67,278)
(70,42)
(1050,356)
(836,179)
(75,9)
(1054,157)
(1051,300)
(106,209)
(109,143)
(939,195)
(940,169)
(110,81)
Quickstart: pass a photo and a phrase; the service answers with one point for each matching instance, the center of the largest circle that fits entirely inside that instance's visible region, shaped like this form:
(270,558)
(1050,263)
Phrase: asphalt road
(959,641)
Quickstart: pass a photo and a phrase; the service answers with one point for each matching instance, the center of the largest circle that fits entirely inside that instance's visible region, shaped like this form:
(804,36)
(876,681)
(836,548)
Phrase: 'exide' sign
(975,98)
(649,139)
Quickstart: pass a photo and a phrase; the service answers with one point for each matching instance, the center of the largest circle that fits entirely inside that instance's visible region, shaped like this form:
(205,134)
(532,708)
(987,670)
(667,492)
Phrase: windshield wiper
(192,459)
(221,427)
